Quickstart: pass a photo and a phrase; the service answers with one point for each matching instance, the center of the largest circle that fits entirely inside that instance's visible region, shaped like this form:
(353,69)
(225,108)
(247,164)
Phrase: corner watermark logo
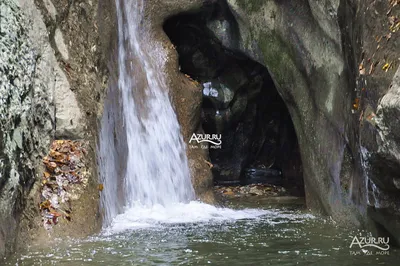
(375,245)
(214,141)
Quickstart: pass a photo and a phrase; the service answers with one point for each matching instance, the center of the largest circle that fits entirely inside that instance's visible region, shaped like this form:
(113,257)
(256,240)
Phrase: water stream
(157,172)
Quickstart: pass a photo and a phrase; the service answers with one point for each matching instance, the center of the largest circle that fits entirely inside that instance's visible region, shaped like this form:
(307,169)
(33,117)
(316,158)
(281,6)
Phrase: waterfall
(142,158)
(139,116)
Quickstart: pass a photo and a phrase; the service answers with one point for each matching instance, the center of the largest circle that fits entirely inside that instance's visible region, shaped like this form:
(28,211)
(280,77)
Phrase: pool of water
(200,234)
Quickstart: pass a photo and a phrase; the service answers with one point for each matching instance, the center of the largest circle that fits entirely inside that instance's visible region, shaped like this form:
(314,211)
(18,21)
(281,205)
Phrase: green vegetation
(251,5)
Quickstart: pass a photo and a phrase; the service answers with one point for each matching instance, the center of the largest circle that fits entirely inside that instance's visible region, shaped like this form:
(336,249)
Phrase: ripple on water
(220,236)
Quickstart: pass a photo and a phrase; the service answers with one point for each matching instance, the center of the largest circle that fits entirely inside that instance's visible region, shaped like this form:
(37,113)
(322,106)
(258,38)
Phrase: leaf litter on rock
(251,190)
(65,178)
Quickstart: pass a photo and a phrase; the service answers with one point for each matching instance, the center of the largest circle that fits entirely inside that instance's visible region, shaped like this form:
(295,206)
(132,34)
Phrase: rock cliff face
(332,61)
(302,44)
(52,76)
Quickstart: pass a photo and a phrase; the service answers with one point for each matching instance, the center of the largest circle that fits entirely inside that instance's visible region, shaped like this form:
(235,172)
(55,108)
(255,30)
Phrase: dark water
(280,236)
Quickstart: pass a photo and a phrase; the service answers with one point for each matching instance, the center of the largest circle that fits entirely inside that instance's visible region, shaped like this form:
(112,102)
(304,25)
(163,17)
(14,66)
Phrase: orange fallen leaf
(100,187)
(45,205)
(356,104)
(361,68)
(229,193)
(209,164)
(55,213)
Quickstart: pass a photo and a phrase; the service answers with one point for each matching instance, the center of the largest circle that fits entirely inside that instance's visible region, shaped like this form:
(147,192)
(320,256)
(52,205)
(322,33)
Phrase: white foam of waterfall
(156,184)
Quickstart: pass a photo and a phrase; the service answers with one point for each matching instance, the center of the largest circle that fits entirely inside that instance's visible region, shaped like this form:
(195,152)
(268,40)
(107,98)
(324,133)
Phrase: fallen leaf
(394,23)
(392,20)
(209,164)
(386,67)
(394,3)
(189,77)
(356,103)
(372,68)
(55,214)
(51,166)
(100,187)
(395,27)
(45,205)
(361,116)
(361,68)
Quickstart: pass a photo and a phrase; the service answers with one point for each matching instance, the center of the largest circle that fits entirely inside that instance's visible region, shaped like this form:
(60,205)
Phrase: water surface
(200,234)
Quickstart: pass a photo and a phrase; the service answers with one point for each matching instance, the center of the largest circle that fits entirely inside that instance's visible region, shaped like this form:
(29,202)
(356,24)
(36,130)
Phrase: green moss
(251,5)
(278,56)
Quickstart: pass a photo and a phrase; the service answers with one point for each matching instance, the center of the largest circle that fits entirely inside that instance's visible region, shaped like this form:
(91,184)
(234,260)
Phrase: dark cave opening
(240,102)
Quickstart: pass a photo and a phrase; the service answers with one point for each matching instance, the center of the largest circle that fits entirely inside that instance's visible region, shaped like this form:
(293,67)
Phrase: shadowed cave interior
(240,102)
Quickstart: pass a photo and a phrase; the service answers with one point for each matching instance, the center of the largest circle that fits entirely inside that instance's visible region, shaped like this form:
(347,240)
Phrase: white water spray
(156,185)
(156,164)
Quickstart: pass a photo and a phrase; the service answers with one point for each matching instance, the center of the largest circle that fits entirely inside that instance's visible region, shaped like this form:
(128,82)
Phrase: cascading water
(140,134)
(156,165)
